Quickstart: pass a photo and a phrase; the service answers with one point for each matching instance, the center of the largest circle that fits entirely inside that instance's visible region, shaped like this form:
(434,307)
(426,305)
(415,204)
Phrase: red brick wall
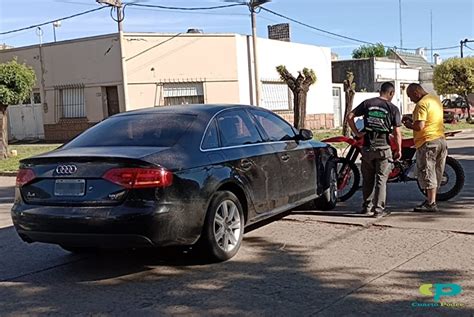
(313,121)
(65,129)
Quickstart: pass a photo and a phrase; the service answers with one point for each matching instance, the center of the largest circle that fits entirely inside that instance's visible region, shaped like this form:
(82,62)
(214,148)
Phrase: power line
(190,12)
(49,22)
(465,45)
(184,8)
(315,28)
(343,36)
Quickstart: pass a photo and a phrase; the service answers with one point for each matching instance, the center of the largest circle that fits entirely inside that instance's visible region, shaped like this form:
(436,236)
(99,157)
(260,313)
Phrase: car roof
(209,109)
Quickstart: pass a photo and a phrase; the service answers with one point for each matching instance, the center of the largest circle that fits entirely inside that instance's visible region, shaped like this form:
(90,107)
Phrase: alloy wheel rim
(333,184)
(227,226)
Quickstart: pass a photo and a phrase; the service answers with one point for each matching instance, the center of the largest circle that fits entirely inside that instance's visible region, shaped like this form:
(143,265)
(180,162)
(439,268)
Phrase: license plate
(69,187)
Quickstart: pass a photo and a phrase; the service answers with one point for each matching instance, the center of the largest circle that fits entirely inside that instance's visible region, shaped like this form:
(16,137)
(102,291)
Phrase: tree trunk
(300,109)
(3,132)
(346,131)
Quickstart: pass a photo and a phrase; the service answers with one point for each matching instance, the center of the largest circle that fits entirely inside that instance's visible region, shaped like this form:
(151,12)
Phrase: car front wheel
(223,227)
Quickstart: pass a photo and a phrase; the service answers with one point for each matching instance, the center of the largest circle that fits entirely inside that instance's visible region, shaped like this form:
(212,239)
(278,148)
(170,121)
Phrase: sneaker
(426,207)
(381,214)
(422,204)
(365,212)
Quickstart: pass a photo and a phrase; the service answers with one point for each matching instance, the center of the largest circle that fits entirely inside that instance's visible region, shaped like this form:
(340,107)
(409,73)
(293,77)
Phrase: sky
(367,20)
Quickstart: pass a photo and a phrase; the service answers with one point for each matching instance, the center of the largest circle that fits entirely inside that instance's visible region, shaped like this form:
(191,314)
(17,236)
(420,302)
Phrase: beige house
(82,81)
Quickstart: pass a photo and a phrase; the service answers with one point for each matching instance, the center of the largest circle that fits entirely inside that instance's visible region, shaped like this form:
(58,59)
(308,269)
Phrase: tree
(300,87)
(349,90)
(16,82)
(456,76)
(364,51)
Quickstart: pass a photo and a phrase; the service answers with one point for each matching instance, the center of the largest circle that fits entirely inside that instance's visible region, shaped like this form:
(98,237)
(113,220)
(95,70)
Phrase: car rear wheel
(224,227)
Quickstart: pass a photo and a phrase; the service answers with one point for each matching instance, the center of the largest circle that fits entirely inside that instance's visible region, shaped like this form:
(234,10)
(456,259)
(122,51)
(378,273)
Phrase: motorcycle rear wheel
(453,168)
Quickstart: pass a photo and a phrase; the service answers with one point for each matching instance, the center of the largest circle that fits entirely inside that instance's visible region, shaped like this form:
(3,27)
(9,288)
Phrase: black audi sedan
(177,175)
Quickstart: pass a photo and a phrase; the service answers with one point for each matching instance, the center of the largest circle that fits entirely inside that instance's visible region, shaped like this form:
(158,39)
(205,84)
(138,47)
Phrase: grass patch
(406,133)
(11,164)
(462,125)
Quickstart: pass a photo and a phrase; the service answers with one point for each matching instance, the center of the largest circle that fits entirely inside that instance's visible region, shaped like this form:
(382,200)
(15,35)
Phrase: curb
(12,174)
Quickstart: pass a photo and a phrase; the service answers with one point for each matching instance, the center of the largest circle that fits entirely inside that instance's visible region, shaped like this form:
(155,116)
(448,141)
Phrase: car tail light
(139,177)
(24,176)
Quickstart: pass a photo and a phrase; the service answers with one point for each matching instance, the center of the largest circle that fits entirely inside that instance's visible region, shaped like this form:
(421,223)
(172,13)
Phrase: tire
(223,227)
(78,250)
(348,179)
(457,185)
(328,199)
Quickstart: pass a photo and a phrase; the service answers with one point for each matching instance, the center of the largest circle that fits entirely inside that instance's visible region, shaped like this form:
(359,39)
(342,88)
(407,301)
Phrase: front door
(297,158)
(254,162)
(113,106)
(337,106)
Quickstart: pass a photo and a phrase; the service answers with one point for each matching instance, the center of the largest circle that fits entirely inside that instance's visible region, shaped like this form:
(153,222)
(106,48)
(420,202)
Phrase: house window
(70,101)
(276,95)
(36,97)
(33,99)
(183,93)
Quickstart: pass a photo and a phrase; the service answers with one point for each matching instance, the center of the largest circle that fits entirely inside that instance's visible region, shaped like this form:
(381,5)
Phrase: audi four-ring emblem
(66,169)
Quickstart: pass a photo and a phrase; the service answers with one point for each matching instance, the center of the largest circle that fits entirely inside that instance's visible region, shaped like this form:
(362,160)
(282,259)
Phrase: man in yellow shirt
(430,143)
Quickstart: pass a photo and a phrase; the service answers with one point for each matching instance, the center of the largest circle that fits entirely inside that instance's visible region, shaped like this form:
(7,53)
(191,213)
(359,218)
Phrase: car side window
(211,139)
(237,128)
(276,128)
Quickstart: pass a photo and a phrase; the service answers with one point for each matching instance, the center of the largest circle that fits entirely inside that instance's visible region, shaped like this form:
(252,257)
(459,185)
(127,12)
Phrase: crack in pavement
(379,276)
(11,279)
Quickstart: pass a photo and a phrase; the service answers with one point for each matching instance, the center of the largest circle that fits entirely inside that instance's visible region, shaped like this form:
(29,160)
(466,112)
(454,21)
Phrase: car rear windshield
(160,130)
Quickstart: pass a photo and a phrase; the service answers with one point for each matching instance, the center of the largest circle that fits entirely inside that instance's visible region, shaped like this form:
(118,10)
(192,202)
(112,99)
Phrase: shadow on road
(272,280)
(7,193)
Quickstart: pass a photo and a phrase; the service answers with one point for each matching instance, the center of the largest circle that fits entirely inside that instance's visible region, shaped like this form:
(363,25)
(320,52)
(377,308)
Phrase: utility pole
(117,4)
(401,31)
(253,5)
(431,31)
(39,32)
(463,42)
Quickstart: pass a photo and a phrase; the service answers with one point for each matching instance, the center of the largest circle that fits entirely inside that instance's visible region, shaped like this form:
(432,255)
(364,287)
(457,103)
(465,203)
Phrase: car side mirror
(305,134)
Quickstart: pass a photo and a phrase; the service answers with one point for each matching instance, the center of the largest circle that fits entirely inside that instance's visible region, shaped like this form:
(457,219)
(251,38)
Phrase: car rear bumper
(87,239)
(112,226)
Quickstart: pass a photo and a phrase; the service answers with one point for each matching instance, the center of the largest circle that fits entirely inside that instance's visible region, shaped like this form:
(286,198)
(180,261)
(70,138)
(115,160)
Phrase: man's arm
(397,133)
(417,125)
(351,123)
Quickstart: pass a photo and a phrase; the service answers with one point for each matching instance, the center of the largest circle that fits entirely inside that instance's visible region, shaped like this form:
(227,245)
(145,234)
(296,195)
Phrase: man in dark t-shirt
(381,117)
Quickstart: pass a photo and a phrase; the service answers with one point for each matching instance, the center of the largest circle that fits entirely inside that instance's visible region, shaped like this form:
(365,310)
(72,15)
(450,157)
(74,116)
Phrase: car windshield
(157,130)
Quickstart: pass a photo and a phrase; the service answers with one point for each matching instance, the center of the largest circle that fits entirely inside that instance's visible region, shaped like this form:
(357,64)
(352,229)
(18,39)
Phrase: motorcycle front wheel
(348,179)
(452,182)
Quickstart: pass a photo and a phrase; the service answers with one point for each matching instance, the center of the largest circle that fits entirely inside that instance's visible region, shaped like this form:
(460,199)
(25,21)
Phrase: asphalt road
(306,264)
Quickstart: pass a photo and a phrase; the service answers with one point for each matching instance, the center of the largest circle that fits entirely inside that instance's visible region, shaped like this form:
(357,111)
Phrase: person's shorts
(430,161)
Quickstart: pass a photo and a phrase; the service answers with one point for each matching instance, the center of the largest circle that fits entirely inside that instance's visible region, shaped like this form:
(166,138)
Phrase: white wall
(93,62)
(295,57)
(392,71)
(359,97)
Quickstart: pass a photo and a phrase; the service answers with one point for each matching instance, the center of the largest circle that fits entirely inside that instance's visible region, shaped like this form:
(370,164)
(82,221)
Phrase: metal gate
(25,122)
(337,106)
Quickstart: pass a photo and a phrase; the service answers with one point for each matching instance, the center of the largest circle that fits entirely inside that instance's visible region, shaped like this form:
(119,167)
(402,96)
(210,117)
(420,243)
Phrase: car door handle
(245,164)
(285,157)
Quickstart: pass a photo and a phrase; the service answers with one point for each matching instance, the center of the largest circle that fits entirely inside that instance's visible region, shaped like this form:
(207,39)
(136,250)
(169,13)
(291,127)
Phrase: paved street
(307,264)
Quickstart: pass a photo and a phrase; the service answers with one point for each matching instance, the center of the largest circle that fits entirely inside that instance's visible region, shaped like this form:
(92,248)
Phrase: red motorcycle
(403,170)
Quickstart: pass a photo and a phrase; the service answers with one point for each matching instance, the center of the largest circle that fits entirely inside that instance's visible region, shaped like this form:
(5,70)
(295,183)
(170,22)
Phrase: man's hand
(407,122)
(397,155)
